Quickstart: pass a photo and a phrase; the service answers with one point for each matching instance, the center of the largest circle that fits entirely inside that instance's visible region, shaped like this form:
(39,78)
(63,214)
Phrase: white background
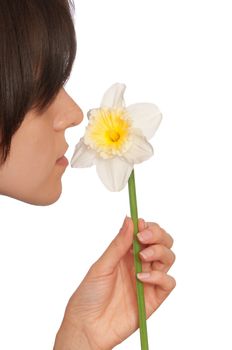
(178,55)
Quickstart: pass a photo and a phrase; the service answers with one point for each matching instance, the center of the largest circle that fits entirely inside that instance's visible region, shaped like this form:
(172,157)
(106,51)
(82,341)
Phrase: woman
(37,50)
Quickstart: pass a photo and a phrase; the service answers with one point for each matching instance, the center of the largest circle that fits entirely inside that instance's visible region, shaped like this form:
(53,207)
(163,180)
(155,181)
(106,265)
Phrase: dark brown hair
(37,50)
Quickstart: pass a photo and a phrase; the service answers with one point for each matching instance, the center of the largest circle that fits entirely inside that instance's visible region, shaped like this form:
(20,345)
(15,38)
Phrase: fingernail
(144,235)
(147,253)
(125,222)
(143,275)
(145,224)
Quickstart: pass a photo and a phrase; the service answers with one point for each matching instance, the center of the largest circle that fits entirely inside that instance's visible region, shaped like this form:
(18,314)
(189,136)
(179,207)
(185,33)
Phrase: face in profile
(37,51)
(33,170)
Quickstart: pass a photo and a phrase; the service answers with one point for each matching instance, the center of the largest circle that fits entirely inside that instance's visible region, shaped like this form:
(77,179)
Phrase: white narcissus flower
(117,137)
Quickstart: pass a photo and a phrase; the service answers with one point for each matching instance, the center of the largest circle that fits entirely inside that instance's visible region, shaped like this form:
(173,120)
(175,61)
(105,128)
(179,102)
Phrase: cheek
(36,161)
(31,174)
(29,170)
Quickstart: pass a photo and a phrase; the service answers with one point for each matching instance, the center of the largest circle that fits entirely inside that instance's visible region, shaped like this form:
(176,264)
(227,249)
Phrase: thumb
(117,248)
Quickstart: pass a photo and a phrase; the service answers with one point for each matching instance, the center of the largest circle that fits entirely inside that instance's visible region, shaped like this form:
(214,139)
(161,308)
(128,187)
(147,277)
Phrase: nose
(68,112)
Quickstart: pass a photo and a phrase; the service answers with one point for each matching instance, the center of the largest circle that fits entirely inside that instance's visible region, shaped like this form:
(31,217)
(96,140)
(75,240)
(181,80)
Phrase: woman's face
(33,170)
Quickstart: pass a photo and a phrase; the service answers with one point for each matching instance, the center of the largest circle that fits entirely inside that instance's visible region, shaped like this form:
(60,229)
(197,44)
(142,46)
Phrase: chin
(48,199)
(44,198)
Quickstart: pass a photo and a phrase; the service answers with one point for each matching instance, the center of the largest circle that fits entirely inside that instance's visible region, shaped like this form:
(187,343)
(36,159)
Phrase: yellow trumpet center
(114,135)
(108,131)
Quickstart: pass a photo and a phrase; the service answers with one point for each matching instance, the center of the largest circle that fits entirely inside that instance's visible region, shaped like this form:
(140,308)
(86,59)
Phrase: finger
(142,224)
(158,266)
(161,280)
(116,250)
(159,253)
(155,234)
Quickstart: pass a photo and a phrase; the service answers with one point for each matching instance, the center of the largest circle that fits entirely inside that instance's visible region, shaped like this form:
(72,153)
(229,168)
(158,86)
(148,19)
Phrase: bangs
(37,51)
(52,50)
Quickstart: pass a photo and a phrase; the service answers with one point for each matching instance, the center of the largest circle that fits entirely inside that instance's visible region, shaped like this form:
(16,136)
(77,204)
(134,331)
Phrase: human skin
(102,312)
(30,173)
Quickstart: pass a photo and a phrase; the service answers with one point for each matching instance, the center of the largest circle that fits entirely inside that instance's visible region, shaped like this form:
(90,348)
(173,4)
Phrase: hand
(103,310)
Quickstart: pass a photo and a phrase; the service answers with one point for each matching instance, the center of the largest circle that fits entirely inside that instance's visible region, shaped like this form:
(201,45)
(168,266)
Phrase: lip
(63,161)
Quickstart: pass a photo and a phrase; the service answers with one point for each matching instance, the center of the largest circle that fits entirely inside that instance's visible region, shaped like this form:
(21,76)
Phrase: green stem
(138,264)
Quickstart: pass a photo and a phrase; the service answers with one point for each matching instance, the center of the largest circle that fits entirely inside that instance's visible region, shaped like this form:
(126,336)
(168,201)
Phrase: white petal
(140,149)
(146,117)
(83,156)
(113,97)
(92,111)
(114,173)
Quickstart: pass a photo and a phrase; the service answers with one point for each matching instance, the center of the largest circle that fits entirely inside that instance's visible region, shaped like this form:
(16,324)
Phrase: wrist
(70,337)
